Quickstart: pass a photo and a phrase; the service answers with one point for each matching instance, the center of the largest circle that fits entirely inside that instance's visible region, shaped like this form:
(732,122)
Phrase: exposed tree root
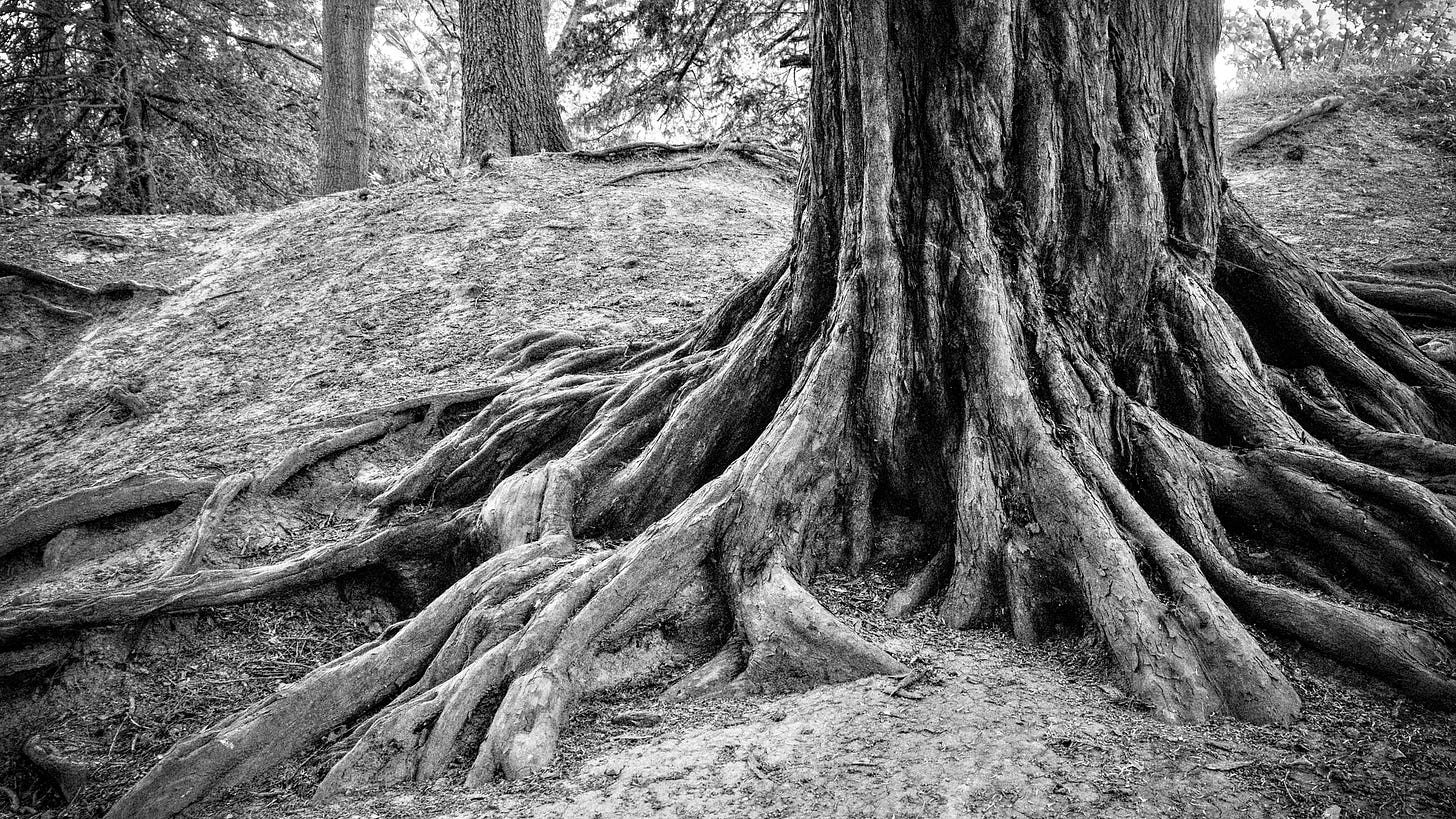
(1437,269)
(1410,298)
(57,310)
(34,276)
(215,587)
(39,523)
(767,154)
(688,165)
(306,455)
(234,750)
(116,289)
(209,523)
(1085,488)
(434,404)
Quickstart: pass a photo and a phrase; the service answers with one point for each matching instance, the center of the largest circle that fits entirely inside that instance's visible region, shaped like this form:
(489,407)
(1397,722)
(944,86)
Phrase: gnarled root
(217,587)
(1054,482)
(238,748)
(1194,483)
(133,492)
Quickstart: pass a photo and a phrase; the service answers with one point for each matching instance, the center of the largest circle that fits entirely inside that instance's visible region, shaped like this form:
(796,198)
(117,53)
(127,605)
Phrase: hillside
(282,321)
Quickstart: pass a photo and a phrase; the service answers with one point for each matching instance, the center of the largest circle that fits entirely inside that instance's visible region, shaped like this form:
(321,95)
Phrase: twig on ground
(134,404)
(677,166)
(1318,108)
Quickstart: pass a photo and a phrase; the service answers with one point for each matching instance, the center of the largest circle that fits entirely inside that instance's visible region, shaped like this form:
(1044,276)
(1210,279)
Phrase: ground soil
(343,302)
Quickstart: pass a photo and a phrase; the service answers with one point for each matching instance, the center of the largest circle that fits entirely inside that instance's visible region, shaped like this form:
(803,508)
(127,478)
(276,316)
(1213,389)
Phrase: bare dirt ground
(340,303)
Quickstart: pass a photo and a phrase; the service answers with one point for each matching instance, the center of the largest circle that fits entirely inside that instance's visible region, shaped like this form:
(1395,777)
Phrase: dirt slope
(341,303)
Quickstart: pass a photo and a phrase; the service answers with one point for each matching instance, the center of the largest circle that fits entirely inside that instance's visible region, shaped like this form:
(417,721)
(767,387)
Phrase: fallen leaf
(1229,764)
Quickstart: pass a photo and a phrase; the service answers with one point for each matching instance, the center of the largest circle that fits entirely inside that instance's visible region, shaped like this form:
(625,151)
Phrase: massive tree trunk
(507,97)
(343,136)
(1022,334)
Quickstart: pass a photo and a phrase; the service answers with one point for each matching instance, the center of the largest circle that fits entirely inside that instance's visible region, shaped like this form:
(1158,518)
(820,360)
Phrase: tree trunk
(128,107)
(52,116)
(508,101)
(343,141)
(1021,333)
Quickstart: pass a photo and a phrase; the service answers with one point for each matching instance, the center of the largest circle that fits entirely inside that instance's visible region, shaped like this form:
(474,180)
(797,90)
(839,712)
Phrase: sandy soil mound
(1347,188)
(343,303)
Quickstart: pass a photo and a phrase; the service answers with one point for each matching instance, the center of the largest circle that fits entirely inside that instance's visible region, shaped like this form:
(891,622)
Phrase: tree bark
(508,101)
(343,140)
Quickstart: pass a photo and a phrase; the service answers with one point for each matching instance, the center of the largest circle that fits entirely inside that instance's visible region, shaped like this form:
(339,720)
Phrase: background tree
(156,105)
(416,78)
(1287,32)
(508,99)
(1022,337)
(343,136)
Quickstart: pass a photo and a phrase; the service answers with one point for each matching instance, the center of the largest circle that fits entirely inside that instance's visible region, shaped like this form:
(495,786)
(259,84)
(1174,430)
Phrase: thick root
(217,587)
(1174,466)
(209,523)
(238,748)
(302,457)
(42,522)
(794,644)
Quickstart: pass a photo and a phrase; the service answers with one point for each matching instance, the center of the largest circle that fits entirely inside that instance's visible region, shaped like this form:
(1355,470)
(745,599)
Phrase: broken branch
(1318,108)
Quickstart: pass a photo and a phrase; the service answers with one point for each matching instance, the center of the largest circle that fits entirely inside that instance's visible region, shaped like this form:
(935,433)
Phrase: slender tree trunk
(129,108)
(574,12)
(343,141)
(508,101)
(53,117)
(1274,41)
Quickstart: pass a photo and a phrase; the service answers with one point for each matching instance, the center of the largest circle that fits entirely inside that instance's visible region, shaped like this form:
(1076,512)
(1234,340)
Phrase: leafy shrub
(1424,95)
(35,198)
